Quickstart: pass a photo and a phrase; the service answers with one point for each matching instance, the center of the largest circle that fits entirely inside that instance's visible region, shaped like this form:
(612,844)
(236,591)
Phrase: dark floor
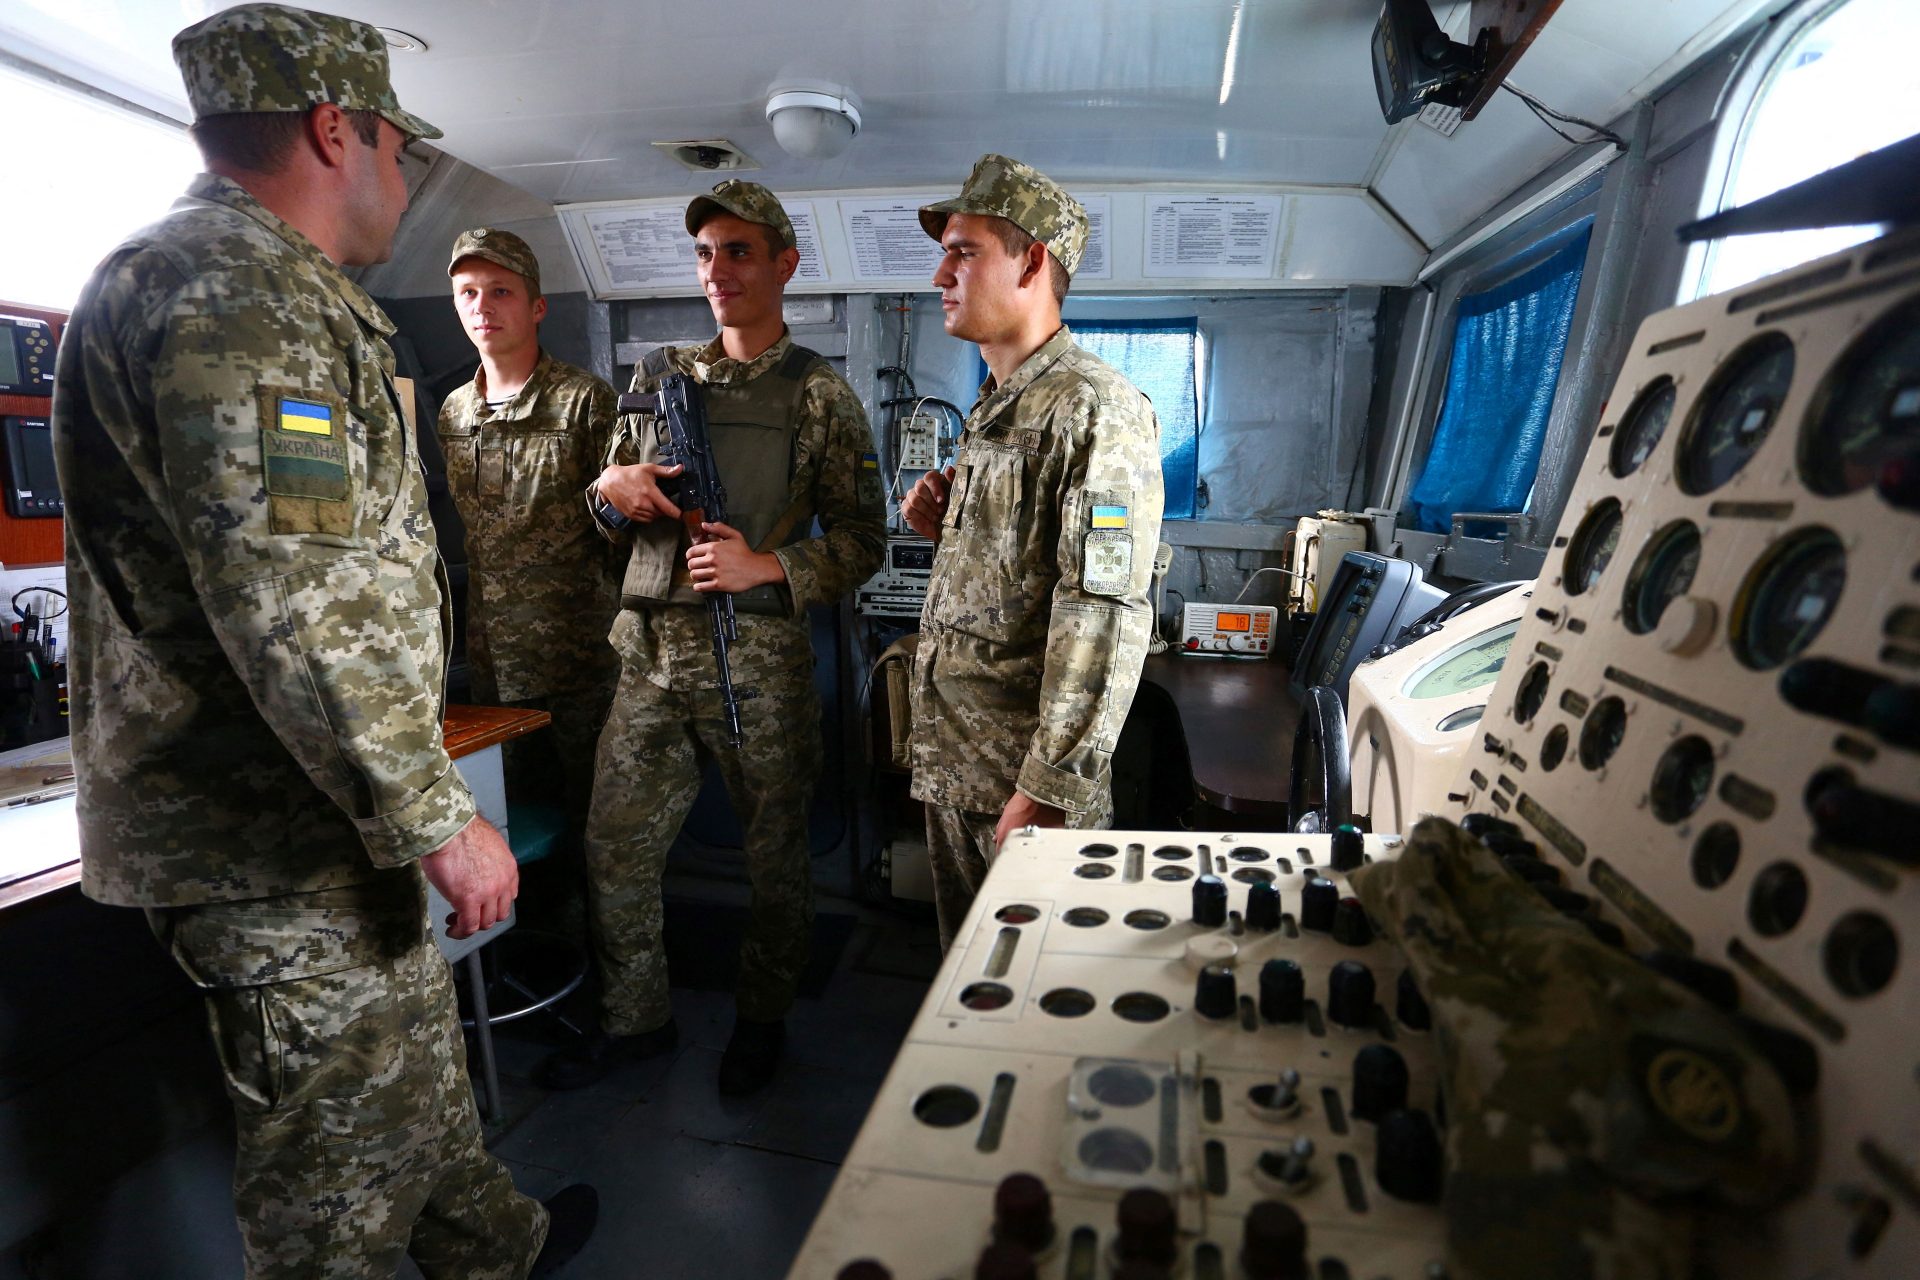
(694,1185)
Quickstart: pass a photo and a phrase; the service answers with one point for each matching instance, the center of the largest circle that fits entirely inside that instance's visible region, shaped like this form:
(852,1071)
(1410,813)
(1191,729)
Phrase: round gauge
(1468,665)
(1605,730)
(1735,413)
(1661,574)
(1533,692)
(1553,748)
(1867,409)
(1592,546)
(1788,597)
(1462,718)
(1682,779)
(1640,430)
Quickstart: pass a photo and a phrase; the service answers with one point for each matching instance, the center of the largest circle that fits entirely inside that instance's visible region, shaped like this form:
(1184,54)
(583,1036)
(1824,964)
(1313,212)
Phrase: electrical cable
(1543,111)
(1252,577)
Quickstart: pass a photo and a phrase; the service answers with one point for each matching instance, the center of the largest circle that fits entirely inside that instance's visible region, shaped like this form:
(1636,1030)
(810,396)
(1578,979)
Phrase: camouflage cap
(502,248)
(742,199)
(271,57)
(1029,199)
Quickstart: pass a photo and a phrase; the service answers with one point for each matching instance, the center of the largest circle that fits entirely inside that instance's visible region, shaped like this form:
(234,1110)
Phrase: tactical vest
(752,426)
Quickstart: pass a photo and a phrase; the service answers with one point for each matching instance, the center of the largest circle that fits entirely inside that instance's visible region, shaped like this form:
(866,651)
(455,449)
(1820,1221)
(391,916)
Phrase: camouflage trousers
(960,849)
(558,765)
(646,777)
(334,1019)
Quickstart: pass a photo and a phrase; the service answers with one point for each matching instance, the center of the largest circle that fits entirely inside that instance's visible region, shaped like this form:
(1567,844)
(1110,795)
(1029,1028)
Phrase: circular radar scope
(1787,597)
(1661,574)
(1640,430)
(1471,664)
(1867,410)
(1732,417)
(1592,546)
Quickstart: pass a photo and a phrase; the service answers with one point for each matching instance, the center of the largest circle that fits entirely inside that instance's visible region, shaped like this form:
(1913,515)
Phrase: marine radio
(26,356)
(1229,631)
(899,590)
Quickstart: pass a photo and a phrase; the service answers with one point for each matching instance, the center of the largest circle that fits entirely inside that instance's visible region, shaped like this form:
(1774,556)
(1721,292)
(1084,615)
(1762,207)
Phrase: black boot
(572,1213)
(751,1056)
(589,1061)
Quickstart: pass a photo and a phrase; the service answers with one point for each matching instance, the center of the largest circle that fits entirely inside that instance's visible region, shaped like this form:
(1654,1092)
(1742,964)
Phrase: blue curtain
(1507,346)
(1158,357)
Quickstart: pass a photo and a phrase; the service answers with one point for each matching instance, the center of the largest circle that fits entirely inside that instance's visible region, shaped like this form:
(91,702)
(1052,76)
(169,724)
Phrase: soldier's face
(375,199)
(979,281)
(742,277)
(501,316)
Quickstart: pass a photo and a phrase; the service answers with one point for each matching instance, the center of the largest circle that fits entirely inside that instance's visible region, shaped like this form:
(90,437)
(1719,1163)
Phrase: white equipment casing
(1318,544)
(1229,630)
(1403,750)
(1654,753)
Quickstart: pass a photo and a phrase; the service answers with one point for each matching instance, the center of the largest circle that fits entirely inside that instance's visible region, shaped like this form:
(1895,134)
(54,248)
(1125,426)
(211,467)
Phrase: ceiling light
(402,41)
(812,125)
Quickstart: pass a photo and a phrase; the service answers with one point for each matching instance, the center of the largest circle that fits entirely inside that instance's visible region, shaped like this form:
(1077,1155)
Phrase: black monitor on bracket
(1372,597)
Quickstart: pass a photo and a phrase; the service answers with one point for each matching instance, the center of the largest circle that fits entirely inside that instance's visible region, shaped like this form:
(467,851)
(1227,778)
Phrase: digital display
(1232,621)
(9,356)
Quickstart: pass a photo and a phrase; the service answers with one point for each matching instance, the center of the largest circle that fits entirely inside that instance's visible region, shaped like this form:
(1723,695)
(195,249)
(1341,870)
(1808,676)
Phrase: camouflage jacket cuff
(1049,785)
(798,587)
(434,817)
(592,499)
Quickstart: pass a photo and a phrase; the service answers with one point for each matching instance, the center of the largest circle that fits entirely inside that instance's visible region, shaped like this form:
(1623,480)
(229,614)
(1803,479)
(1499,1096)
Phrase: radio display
(9,359)
(1232,621)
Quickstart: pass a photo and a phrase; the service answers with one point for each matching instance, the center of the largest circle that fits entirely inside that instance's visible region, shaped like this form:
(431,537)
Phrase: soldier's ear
(539,308)
(1034,271)
(786,262)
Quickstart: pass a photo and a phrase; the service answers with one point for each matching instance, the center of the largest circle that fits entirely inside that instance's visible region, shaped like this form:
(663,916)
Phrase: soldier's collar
(215,189)
(995,398)
(713,364)
(522,399)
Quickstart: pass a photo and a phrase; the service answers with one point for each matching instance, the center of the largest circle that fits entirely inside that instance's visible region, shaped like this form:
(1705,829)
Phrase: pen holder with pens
(33,678)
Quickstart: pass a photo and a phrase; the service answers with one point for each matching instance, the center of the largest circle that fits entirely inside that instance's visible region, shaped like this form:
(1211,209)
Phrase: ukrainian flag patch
(870,461)
(1109,517)
(305,417)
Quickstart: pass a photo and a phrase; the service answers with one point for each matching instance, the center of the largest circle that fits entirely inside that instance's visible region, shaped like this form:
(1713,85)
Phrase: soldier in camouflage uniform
(791,445)
(521,441)
(257,648)
(1037,618)
(1591,1103)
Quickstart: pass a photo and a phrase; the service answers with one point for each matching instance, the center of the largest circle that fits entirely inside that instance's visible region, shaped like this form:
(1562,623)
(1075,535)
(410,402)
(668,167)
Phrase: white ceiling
(564,97)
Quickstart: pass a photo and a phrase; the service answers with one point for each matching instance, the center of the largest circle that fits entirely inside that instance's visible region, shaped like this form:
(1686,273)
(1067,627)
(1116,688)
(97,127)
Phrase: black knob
(1215,994)
(1893,712)
(1350,994)
(1349,847)
(1849,814)
(1504,844)
(1003,1260)
(1147,1226)
(1263,906)
(1379,1081)
(1823,687)
(1350,924)
(1709,981)
(1605,930)
(1410,1006)
(1273,1243)
(1318,900)
(1567,902)
(1023,1212)
(1283,991)
(1480,824)
(1210,902)
(864,1269)
(1532,870)
(1407,1158)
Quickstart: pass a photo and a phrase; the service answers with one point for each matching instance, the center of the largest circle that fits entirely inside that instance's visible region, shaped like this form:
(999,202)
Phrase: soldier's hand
(926,504)
(1024,811)
(477,874)
(724,561)
(635,493)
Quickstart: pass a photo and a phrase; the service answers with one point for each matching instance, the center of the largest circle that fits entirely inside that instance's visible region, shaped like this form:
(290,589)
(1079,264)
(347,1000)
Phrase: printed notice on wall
(644,248)
(1229,237)
(1094,262)
(806,234)
(887,242)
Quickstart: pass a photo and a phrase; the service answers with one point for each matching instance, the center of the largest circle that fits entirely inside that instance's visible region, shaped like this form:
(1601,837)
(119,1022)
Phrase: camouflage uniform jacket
(831,477)
(543,588)
(258,627)
(1037,616)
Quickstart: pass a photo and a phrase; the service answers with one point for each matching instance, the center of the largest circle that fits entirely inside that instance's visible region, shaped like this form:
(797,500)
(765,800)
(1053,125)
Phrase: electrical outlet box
(920,443)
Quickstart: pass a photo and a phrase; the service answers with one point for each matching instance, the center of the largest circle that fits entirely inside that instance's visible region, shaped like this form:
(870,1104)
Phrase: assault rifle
(681,420)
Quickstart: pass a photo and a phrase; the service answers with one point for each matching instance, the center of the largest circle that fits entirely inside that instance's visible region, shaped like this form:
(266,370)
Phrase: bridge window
(96,173)
(1839,84)
(1160,358)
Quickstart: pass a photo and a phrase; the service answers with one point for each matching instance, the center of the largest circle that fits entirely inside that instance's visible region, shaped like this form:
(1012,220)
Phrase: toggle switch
(1290,1170)
(1278,1101)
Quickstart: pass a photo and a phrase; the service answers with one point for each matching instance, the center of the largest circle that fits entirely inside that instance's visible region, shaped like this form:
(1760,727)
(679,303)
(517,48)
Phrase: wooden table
(1238,717)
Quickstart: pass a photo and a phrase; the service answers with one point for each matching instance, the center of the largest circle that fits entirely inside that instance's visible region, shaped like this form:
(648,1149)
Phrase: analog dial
(1640,430)
(1733,416)
(1788,597)
(1471,664)
(1592,546)
(1868,410)
(1662,573)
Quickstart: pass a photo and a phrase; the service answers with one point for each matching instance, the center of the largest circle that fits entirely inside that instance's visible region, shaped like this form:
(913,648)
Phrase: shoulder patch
(304,464)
